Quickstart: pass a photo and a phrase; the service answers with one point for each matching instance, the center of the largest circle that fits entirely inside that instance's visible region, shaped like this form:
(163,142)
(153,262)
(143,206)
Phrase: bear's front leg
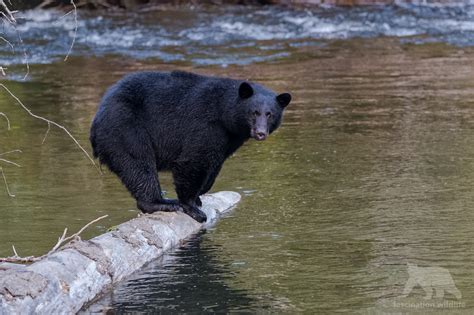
(140,177)
(188,180)
(210,179)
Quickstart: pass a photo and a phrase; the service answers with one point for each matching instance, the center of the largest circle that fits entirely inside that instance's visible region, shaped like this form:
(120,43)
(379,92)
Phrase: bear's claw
(195,213)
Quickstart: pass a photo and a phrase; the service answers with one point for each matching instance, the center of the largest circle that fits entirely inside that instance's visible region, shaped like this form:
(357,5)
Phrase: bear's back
(168,90)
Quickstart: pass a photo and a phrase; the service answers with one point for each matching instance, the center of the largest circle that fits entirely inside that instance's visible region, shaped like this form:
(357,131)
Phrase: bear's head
(261,109)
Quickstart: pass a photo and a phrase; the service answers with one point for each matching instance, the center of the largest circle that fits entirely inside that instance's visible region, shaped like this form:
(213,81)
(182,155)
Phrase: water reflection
(191,280)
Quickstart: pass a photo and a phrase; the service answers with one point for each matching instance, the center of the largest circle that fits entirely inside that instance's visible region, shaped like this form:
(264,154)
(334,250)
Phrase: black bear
(182,122)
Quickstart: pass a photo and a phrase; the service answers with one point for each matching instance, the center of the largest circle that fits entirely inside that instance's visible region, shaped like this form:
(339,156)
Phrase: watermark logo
(435,280)
(440,291)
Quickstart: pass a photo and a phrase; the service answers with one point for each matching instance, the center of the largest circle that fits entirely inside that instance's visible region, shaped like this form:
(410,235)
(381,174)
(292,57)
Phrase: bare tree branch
(61,241)
(75,30)
(50,122)
(9,17)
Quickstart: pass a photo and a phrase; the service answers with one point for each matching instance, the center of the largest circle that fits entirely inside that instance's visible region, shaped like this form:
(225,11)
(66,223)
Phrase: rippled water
(229,35)
(372,168)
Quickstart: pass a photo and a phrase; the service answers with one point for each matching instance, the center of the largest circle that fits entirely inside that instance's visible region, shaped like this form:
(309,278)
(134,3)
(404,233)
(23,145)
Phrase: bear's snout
(259,135)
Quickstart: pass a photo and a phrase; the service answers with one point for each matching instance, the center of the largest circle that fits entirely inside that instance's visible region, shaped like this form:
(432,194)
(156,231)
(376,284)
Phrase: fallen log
(66,280)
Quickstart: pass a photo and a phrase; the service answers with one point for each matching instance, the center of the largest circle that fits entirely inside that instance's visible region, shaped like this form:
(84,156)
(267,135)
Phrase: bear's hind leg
(141,179)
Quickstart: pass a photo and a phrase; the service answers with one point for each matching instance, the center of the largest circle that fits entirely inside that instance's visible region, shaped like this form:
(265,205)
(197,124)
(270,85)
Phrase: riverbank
(133,4)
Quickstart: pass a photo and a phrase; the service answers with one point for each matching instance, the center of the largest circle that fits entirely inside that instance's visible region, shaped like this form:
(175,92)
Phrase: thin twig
(52,123)
(6,184)
(8,120)
(83,228)
(25,54)
(62,240)
(14,250)
(12,151)
(75,30)
(8,42)
(10,162)
(63,16)
(46,134)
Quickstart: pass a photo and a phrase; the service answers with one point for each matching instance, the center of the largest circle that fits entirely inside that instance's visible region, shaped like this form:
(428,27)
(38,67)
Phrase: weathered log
(65,281)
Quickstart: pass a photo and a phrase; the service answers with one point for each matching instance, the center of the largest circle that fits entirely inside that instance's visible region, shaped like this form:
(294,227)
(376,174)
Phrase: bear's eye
(268,114)
(256,113)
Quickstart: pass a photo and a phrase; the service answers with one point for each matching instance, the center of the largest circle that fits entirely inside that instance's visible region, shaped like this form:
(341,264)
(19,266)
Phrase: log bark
(67,280)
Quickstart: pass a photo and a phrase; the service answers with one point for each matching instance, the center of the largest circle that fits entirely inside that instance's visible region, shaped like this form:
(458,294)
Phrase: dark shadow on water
(190,280)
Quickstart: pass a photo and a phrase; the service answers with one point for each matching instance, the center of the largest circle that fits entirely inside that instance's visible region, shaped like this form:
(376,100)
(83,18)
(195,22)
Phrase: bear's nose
(261,136)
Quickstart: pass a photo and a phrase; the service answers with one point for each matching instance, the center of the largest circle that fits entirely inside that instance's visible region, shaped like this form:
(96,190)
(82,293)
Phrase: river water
(372,169)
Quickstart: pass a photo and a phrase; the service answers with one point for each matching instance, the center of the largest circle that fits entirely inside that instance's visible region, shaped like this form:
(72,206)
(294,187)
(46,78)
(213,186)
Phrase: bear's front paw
(149,207)
(195,213)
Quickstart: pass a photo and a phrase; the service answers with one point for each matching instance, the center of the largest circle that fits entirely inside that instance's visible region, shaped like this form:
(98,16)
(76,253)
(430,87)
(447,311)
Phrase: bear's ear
(284,99)
(245,90)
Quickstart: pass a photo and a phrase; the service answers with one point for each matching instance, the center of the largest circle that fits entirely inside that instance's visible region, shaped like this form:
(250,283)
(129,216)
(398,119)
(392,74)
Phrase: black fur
(182,122)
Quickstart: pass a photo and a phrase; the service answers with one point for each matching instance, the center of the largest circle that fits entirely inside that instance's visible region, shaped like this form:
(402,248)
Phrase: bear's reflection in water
(190,280)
